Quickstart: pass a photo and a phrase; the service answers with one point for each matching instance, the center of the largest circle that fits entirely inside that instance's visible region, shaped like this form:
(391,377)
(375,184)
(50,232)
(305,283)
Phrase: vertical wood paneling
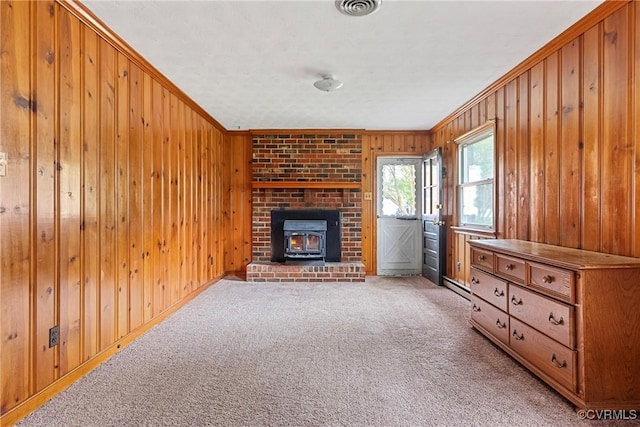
(204,205)
(159,200)
(523,158)
(180,200)
(135,308)
(570,151)
(636,137)
(148,202)
(536,165)
(174,206)
(220,186)
(15,109)
(108,196)
(511,173)
(211,220)
(100,204)
(188,207)
(368,206)
(70,192)
(122,191)
(500,144)
(617,149)
(239,212)
(168,216)
(591,139)
(43,197)
(91,194)
(247,191)
(552,151)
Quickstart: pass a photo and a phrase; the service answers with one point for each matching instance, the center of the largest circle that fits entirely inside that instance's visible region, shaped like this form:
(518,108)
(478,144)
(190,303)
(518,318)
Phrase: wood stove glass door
(399,229)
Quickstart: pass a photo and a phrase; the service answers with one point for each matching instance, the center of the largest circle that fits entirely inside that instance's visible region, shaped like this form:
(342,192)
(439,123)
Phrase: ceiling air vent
(358,7)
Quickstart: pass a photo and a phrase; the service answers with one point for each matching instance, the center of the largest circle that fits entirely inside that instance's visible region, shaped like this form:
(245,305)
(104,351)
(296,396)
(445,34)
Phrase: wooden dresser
(570,316)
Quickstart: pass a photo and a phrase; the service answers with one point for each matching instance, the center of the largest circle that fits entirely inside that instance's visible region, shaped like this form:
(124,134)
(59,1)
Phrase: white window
(476,189)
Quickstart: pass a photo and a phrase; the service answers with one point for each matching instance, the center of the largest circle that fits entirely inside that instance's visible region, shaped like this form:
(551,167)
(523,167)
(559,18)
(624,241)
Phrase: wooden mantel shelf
(305,184)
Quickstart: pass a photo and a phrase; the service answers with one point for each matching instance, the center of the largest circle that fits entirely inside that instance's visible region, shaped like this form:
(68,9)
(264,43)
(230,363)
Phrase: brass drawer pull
(509,267)
(548,278)
(514,301)
(555,361)
(500,325)
(475,281)
(476,308)
(553,320)
(516,336)
(482,258)
(498,293)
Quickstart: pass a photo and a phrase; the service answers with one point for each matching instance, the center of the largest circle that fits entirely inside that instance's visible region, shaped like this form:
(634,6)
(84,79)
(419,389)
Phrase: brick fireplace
(307,171)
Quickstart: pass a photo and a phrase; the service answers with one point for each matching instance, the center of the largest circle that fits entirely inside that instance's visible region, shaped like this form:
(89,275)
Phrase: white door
(399,226)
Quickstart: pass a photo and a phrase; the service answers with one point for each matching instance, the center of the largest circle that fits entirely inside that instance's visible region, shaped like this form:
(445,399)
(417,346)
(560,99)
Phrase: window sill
(489,234)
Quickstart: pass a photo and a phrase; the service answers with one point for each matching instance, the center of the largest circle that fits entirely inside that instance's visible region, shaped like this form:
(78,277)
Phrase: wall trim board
(322,131)
(37,400)
(593,18)
(397,132)
(238,133)
(302,131)
(87,17)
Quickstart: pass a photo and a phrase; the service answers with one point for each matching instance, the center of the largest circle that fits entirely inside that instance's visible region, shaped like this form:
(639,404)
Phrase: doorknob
(438,222)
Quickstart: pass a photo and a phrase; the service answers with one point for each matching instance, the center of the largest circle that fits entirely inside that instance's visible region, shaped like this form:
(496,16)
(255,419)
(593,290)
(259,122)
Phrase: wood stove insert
(306,234)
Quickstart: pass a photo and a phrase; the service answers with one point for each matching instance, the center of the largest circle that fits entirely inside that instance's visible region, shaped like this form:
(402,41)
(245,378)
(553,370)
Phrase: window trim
(469,138)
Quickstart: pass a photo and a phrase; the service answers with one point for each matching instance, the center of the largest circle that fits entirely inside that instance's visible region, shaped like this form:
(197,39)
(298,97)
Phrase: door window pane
(399,190)
(427,201)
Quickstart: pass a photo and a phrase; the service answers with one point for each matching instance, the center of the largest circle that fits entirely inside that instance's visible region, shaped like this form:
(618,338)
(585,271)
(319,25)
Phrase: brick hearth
(330,272)
(313,159)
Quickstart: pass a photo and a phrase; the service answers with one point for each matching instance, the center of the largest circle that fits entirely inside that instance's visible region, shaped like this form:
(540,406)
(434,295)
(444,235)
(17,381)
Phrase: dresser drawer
(489,288)
(553,358)
(513,268)
(482,259)
(557,282)
(490,318)
(550,317)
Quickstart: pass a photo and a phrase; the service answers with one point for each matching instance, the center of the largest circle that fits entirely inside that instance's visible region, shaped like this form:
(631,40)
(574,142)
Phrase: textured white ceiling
(252,64)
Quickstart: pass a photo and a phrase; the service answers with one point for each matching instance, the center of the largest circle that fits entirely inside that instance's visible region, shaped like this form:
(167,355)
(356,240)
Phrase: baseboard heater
(457,287)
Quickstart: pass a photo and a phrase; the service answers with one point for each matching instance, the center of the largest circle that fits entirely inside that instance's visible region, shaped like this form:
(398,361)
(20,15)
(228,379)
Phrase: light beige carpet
(386,352)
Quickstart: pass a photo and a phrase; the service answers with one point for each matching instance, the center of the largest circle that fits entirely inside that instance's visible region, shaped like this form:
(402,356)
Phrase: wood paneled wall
(111,212)
(568,141)
(238,213)
(374,145)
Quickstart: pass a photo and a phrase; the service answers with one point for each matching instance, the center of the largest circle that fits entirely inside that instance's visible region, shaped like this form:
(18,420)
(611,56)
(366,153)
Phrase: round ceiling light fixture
(328,83)
(358,7)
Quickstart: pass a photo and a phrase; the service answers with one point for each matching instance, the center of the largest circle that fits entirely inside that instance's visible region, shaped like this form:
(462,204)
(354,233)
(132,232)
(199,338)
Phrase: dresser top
(575,259)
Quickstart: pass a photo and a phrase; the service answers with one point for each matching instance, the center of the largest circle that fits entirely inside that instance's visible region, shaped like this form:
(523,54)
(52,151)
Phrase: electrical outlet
(54,336)
(3,164)
(367,195)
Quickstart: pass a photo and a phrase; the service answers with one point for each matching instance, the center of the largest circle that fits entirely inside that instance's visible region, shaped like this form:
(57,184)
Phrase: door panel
(433,233)
(399,228)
